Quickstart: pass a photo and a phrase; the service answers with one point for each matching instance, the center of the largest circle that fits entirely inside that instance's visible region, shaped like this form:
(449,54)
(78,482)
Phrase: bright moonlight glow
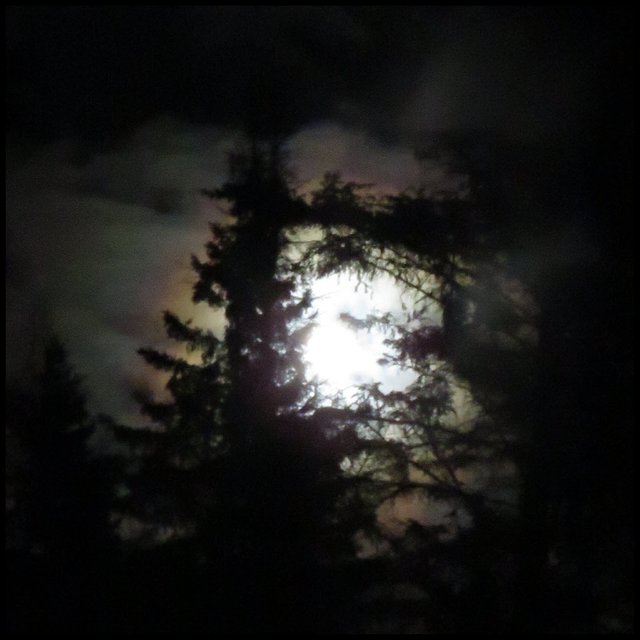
(340,357)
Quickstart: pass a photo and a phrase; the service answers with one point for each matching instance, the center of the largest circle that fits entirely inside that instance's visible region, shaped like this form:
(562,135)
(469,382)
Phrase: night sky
(116,117)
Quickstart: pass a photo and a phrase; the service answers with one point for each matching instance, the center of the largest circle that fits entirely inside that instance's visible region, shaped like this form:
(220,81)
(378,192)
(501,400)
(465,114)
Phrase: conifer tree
(241,470)
(59,535)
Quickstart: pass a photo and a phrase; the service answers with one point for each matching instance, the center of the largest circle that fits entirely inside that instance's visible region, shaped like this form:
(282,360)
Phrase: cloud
(329,146)
(205,64)
(520,72)
(99,243)
(91,248)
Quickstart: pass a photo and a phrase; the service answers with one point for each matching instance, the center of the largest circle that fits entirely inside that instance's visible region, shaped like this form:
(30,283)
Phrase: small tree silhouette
(59,537)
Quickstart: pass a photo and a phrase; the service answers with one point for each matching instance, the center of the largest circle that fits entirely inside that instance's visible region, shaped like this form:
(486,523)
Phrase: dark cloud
(96,71)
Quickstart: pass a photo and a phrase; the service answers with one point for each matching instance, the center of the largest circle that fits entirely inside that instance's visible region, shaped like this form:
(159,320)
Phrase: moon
(339,357)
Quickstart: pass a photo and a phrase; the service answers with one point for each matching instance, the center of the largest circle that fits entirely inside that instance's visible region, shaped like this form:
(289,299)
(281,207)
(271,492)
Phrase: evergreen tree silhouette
(436,249)
(59,538)
(243,476)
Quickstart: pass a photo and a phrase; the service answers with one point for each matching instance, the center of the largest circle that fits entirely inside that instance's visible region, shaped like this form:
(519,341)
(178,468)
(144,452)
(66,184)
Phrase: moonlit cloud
(357,155)
(96,255)
(102,244)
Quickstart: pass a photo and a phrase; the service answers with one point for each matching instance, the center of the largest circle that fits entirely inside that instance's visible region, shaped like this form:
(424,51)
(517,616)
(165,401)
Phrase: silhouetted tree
(59,538)
(242,472)
(553,230)
(436,250)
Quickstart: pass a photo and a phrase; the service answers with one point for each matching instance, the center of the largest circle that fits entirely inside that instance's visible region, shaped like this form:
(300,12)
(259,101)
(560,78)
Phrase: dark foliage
(59,541)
